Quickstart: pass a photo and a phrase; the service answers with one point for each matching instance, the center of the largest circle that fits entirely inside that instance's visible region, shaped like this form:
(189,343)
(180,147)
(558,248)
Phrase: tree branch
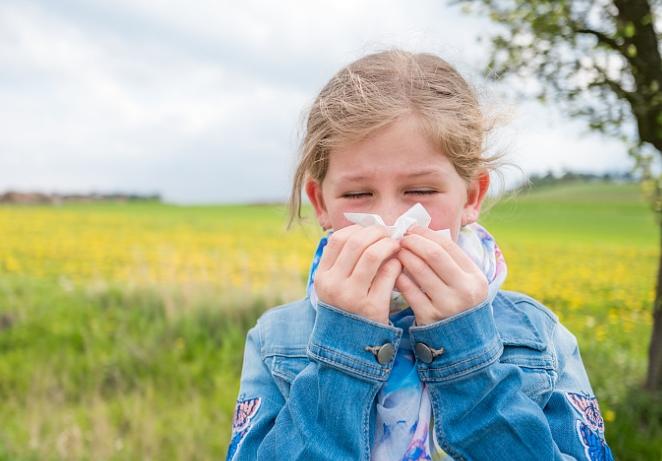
(616,87)
(602,38)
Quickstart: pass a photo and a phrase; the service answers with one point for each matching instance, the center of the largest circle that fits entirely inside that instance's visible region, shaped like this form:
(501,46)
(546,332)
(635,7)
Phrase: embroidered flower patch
(590,427)
(244,413)
(594,446)
(587,406)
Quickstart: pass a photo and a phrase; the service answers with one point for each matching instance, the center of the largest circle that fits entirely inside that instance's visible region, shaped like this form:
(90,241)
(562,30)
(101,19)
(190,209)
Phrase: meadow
(122,325)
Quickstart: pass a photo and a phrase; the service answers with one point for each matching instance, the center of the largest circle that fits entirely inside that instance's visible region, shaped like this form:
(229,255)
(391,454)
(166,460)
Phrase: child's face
(389,172)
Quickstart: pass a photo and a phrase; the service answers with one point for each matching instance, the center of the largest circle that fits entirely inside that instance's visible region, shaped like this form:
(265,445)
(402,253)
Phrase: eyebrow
(413,174)
(428,172)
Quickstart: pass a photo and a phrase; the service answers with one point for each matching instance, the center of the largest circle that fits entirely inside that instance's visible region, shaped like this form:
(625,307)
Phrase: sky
(203,102)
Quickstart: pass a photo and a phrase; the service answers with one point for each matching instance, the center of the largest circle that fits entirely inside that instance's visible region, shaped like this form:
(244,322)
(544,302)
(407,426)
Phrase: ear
(476,192)
(314,193)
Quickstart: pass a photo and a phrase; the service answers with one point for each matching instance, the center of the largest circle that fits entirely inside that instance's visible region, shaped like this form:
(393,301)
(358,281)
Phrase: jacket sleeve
(480,409)
(327,413)
(572,410)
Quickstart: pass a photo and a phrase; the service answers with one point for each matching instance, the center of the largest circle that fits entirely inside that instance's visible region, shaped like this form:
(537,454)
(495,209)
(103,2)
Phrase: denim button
(385,353)
(425,353)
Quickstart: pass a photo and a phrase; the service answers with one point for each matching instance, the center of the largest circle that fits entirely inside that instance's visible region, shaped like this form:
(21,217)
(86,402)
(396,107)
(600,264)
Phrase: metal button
(425,353)
(386,353)
(383,353)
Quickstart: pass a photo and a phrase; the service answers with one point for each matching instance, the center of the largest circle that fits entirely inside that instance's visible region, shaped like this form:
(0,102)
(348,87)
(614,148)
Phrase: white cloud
(201,100)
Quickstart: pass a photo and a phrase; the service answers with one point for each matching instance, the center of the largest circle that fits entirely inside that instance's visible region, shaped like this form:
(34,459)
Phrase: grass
(110,375)
(122,326)
(578,212)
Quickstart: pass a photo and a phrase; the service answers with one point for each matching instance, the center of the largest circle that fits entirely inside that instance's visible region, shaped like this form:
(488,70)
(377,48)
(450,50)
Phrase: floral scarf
(405,426)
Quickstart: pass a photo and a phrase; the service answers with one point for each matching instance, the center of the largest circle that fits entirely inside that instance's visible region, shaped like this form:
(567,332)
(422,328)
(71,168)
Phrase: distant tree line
(567,176)
(41,198)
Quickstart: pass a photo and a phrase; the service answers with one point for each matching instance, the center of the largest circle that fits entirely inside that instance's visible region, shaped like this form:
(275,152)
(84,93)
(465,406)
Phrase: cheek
(340,207)
(338,220)
(443,222)
(443,218)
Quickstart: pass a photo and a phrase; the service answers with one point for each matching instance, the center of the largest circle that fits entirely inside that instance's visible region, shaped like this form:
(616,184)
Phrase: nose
(390,210)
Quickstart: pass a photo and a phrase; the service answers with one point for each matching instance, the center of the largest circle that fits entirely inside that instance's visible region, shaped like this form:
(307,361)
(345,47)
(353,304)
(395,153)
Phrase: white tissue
(415,215)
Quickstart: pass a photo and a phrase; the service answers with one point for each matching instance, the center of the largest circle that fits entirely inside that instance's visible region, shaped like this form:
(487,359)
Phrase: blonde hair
(373,92)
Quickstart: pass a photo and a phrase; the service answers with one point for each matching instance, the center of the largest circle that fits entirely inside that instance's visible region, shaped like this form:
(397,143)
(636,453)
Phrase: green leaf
(629,30)
(631,50)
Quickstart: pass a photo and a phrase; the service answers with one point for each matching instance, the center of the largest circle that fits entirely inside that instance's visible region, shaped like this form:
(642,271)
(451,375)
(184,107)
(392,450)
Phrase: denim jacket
(510,384)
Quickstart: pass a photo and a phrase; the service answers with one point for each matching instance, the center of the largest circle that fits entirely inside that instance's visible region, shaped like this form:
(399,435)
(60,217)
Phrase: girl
(405,347)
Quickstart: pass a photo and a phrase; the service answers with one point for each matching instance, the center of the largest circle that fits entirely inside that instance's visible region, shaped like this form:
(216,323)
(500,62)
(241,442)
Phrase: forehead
(399,150)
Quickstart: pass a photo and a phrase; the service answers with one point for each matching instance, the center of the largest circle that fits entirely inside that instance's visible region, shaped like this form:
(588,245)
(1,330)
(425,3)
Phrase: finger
(453,249)
(384,281)
(355,246)
(418,300)
(334,246)
(421,274)
(372,259)
(436,257)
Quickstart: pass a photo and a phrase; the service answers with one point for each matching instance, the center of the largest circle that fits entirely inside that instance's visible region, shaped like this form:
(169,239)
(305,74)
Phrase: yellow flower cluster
(247,249)
(217,248)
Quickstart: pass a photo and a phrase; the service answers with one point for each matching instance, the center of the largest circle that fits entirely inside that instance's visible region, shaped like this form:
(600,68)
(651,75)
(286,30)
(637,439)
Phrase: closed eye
(355,195)
(421,192)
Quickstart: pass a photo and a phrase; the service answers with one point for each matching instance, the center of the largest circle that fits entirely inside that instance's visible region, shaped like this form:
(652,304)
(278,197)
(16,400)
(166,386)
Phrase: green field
(122,325)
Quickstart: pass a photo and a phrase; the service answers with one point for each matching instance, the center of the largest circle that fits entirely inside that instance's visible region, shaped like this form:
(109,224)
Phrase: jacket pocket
(286,367)
(536,366)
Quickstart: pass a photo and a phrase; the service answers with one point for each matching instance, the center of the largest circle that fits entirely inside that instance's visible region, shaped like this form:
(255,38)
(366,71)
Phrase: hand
(441,279)
(355,273)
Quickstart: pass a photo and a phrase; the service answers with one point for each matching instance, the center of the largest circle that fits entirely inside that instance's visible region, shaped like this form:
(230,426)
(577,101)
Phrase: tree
(600,60)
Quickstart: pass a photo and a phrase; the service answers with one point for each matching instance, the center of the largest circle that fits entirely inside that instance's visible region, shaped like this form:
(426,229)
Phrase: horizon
(616,177)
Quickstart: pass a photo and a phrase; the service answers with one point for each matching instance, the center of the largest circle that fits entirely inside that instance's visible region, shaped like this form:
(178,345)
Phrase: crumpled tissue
(418,215)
